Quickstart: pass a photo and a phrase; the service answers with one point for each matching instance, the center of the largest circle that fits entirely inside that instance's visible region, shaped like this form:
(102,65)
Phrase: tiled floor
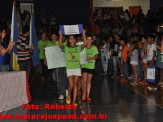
(121,102)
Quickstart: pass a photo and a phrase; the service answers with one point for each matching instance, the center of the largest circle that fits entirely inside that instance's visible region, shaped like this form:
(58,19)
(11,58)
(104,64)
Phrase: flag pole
(30,31)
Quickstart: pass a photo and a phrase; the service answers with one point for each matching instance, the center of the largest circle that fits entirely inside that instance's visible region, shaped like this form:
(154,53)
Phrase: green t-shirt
(65,43)
(41,46)
(91,52)
(72,57)
(50,44)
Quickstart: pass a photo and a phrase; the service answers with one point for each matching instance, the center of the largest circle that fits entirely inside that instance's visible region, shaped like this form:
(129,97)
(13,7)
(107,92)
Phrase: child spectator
(144,60)
(159,63)
(120,58)
(125,51)
(134,60)
(151,55)
(115,55)
(106,46)
(111,49)
(151,51)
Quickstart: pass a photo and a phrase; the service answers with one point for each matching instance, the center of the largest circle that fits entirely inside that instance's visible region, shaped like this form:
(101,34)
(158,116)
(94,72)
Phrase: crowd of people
(126,24)
(69,77)
(65,78)
(132,58)
(132,45)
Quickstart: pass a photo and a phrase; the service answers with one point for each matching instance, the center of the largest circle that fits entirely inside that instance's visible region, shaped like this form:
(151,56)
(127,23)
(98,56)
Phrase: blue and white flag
(33,40)
(14,36)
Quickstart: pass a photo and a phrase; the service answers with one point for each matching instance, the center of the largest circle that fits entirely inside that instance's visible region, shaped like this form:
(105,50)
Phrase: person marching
(58,74)
(72,54)
(41,45)
(80,82)
(89,68)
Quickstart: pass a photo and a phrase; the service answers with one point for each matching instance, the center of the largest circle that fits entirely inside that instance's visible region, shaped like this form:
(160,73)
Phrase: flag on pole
(33,42)
(19,23)
(14,36)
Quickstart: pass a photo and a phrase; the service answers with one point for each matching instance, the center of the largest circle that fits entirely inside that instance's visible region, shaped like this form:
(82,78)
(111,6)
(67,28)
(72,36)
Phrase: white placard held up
(83,57)
(71,29)
(55,57)
(151,74)
(161,57)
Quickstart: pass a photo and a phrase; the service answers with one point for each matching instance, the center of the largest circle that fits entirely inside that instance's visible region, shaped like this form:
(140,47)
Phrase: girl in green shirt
(73,70)
(88,68)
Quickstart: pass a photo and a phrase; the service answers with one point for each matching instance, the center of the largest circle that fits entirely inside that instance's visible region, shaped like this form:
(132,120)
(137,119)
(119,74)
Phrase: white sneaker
(161,83)
(154,88)
(66,92)
(149,88)
(134,83)
(61,97)
(131,77)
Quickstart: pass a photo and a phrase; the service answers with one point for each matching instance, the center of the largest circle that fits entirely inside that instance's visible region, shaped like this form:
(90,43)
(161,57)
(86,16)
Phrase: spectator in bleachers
(122,17)
(127,16)
(53,20)
(97,30)
(106,30)
(43,19)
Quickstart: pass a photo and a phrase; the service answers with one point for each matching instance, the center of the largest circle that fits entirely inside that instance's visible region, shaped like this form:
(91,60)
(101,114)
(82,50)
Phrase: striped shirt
(22,42)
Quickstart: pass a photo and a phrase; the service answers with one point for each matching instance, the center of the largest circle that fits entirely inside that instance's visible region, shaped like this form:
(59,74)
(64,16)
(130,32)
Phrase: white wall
(103,3)
(26,6)
(145,4)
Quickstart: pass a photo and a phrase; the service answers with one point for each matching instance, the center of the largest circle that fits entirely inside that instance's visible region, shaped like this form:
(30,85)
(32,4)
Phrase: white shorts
(72,72)
(134,62)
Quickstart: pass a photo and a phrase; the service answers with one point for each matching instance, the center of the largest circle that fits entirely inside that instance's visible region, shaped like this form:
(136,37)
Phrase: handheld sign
(71,29)
(104,59)
(83,57)
(161,57)
(151,74)
(55,57)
